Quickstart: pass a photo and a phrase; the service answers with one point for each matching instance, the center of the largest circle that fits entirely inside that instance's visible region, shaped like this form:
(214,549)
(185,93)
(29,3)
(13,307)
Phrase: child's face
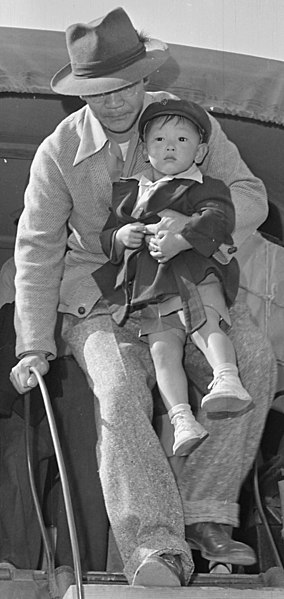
(173,146)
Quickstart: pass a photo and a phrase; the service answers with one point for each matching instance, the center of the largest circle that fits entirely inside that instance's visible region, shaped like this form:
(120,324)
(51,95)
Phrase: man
(71,181)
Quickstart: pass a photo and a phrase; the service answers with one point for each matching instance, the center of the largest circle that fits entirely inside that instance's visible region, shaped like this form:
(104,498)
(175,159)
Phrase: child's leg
(227,393)
(167,348)
(213,342)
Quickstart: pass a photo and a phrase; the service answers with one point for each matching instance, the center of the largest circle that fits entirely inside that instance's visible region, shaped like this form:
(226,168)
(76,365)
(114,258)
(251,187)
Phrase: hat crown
(106,55)
(103,45)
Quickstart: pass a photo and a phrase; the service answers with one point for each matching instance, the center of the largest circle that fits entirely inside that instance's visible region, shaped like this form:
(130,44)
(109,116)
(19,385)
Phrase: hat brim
(66,84)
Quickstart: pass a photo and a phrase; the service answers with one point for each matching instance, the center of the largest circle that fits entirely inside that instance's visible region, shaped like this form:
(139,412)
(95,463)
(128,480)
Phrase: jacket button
(232,249)
(81,310)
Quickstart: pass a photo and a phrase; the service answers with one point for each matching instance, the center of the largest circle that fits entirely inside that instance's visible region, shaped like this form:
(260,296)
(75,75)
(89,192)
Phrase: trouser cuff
(221,512)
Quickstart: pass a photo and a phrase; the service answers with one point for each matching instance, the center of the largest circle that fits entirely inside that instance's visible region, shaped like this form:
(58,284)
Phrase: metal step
(98,591)
(104,585)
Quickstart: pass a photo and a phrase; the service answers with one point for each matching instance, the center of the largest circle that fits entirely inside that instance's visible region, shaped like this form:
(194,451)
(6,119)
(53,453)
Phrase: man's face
(118,111)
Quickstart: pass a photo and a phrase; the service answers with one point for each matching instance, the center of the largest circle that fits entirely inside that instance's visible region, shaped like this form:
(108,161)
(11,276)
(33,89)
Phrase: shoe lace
(217,379)
(181,419)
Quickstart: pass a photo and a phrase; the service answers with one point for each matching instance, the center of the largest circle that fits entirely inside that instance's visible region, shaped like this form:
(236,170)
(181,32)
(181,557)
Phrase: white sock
(181,407)
(227,368)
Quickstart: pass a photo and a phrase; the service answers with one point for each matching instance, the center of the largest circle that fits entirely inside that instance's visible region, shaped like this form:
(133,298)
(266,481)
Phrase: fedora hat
(106,55)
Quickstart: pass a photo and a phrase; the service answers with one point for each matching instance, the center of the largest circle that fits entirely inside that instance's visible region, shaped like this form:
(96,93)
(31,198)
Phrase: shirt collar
(193,173)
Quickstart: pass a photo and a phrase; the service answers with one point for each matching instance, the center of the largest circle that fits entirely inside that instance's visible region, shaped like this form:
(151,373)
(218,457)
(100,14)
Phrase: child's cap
(189,110)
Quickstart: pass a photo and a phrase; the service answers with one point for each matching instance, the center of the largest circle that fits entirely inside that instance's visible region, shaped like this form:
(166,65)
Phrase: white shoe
(218,568)
(188,433)
(227,395)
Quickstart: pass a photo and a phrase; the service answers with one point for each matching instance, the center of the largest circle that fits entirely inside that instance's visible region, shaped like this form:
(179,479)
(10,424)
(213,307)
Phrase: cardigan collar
(93,137)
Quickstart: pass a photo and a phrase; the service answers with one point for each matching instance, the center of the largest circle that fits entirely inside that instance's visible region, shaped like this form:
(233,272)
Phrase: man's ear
(201,153)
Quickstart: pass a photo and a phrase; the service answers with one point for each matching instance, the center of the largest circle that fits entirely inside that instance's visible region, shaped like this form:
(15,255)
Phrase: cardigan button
(81,310)
(232,249)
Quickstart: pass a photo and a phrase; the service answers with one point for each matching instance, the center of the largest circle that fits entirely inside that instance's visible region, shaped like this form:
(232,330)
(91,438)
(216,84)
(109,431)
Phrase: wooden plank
(98,591)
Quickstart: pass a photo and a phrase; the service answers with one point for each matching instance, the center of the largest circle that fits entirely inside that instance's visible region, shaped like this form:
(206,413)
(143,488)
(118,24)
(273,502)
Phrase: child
(191,292)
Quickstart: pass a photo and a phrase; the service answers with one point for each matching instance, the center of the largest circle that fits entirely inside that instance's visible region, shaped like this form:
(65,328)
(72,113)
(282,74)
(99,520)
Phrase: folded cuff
(221,512)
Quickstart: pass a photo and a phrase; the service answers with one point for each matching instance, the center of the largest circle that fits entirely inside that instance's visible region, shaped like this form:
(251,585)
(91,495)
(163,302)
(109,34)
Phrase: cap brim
(66,84)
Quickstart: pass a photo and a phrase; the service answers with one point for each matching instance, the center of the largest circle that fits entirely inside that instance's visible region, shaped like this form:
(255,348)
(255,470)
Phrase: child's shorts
(166,315)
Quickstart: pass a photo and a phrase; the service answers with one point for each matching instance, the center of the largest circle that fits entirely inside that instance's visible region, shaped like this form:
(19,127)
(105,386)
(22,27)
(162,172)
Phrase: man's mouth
(117,116)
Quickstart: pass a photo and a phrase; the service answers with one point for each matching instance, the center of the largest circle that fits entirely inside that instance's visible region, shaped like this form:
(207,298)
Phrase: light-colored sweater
(79,194)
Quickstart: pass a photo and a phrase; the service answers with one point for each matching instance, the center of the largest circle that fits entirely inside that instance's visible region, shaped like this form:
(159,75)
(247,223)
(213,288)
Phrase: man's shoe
(159,571)
(215,544)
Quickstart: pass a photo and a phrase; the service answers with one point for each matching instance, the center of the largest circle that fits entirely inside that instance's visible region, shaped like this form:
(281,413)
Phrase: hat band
(106,67)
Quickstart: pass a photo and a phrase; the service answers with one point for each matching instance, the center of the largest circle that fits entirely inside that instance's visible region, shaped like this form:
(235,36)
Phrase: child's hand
(165,245)
(131,235)
(152,229)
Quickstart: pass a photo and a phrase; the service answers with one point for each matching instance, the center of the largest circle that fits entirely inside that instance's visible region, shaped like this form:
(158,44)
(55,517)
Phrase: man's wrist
(184,243)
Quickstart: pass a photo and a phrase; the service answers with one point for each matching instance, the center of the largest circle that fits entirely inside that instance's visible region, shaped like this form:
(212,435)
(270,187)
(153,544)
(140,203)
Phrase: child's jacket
(137,279)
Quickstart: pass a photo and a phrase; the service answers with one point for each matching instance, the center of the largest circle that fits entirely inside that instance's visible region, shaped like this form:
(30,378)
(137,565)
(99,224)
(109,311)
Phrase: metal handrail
(64,483)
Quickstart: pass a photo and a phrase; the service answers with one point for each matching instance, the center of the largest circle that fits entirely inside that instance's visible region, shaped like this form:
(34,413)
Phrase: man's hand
(130,235)
(171,221)
(21,376)
(165,245)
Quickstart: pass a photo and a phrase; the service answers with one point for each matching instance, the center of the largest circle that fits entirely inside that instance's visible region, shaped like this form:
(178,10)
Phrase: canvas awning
(229,83)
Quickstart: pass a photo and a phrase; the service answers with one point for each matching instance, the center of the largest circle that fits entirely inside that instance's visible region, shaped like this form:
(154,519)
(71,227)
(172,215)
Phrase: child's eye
(159,138)
(182,138)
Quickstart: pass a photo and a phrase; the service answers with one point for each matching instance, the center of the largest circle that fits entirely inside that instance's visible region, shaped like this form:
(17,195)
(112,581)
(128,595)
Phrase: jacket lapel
(125,198)
(166,194)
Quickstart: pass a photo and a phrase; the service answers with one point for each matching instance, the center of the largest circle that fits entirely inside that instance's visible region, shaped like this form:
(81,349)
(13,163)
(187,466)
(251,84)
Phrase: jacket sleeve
(107,235)
(107,238)
(39,253)
(114,222)
(248,193)
(213,217)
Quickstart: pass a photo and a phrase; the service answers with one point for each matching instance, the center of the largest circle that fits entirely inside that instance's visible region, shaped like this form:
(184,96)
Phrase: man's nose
(114,100)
